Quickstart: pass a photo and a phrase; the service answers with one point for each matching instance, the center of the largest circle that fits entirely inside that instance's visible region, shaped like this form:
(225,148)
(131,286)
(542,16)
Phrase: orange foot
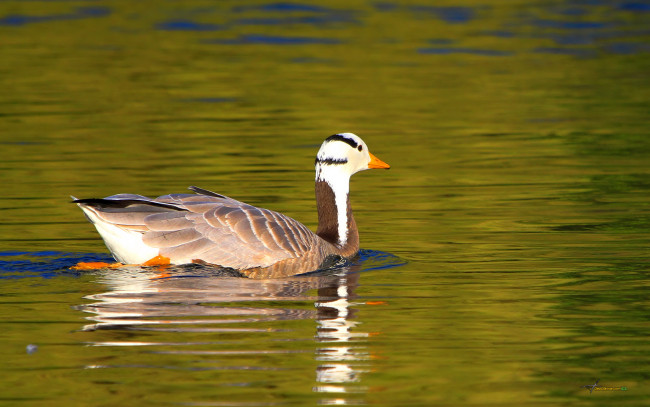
(95,265)
(157,261)
(161,263)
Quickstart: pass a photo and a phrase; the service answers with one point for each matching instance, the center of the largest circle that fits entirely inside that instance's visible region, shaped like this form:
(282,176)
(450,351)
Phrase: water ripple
(17,20)
(244,314)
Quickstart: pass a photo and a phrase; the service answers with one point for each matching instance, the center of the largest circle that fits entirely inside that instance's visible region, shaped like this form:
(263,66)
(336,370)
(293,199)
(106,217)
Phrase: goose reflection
(181,296)
(335,328)
(197,299)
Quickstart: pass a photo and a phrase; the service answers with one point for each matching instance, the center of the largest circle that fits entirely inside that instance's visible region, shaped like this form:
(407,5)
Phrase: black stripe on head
(331,161)
(344,139)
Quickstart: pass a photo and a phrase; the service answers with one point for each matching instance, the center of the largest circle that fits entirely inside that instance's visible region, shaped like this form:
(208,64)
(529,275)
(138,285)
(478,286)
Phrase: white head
(342,155)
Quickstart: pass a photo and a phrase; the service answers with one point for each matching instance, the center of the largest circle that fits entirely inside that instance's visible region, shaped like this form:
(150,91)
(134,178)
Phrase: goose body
(207,227)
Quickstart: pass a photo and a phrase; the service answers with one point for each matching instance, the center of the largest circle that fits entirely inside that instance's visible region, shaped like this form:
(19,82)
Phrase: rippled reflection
(188,301)
(149,301)
(335,328)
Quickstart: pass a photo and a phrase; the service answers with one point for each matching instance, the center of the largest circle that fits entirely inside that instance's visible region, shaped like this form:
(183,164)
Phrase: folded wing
(208,227)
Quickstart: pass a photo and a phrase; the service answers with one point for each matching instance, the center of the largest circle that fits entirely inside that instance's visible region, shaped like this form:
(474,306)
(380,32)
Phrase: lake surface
(506,253)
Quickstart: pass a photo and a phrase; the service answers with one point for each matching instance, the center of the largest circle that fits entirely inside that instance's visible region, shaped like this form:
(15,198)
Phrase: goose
(210,228)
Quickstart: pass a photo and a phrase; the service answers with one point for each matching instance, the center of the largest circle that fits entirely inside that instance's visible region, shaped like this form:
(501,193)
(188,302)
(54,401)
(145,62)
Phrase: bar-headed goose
(207,227)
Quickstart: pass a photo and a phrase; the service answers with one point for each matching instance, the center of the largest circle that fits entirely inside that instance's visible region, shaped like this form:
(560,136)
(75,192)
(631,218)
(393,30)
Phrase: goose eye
(360,148)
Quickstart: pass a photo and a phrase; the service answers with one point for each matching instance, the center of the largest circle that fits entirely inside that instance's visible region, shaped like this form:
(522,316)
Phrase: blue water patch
(590,2)
(21,253)
(376,260)
(460,50)
(448,14)
(571,25)
(294,13)
(570,11)
(578,52)
(17,20)
(579,38)
(44,264)
(452,14)
(187,25)
(635,6)
(272,40)
(284,7)
(367,260)
(310,20)
(499,33)
(574,37)
(590,37)
(626,48)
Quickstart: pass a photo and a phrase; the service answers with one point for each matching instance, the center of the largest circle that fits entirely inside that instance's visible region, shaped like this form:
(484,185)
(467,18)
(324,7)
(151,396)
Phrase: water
(505,253)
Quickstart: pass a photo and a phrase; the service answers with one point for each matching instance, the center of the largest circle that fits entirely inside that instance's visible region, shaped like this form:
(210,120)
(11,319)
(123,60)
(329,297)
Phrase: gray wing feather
(242,236)
(188,251)
(213,228)
(167,221)
(170,238)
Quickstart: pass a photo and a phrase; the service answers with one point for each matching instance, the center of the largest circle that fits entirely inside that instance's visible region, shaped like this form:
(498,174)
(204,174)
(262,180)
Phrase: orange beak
(376,162)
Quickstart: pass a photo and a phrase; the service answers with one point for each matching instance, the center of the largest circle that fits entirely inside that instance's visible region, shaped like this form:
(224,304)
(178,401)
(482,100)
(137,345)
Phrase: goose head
(342,155)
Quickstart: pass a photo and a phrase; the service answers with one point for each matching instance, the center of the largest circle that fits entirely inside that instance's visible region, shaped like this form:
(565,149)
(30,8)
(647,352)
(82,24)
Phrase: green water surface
(519,199)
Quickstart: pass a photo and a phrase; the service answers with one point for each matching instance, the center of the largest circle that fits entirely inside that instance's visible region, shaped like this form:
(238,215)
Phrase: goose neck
(335,221)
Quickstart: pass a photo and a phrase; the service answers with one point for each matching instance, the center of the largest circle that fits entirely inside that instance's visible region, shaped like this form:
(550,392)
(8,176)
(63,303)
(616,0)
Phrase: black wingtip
(124,203)
(88,201)
(202,191)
